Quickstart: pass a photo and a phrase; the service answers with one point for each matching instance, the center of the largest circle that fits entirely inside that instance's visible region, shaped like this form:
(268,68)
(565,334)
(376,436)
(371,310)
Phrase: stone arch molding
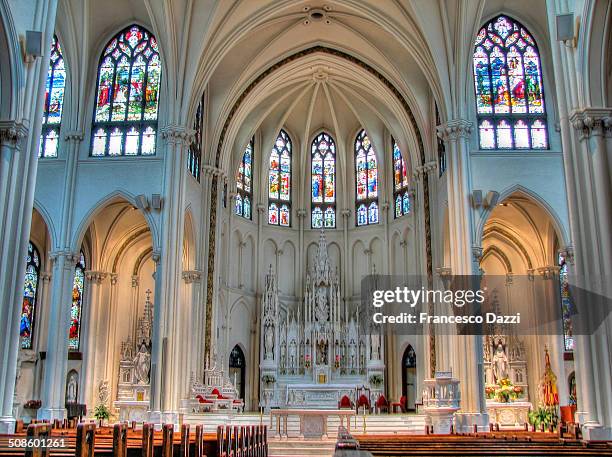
(79,232)
(12,75)
(518,189)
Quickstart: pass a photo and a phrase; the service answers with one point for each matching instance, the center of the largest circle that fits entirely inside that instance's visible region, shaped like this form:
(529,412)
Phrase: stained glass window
(244,182)
(366,181)
(127,95)
(323,179)
(566,305)
(401,194)
(76,309)
(279,182)
(194,155)
(54,102)
(441,147)
(508,86)
(30,294)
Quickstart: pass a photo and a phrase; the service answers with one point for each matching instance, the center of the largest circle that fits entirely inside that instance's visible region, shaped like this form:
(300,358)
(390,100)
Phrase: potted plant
(101,413)
(543,417)
(506,392)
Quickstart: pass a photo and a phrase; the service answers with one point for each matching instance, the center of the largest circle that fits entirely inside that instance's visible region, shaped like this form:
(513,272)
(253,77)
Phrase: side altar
(317,351)
(134,385)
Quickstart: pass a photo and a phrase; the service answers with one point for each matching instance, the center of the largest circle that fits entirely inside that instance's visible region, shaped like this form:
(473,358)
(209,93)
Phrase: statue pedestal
(441,399)
(511,414)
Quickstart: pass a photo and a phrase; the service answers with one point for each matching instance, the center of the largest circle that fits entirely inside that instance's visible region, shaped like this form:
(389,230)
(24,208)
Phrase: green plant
(543,415)
(376,380)
(101,412)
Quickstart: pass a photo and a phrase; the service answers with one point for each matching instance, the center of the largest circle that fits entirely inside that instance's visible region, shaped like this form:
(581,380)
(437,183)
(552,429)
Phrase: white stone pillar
(465,259)
(57,340)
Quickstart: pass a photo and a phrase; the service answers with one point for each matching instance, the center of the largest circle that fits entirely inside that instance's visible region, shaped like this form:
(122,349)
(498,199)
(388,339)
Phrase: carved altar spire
(322,270)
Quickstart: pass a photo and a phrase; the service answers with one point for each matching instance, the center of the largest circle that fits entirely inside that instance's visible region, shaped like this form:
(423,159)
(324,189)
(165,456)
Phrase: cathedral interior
(193,192)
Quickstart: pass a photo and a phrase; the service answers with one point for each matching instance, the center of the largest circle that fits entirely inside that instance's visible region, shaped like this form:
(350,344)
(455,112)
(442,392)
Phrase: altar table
(313,422)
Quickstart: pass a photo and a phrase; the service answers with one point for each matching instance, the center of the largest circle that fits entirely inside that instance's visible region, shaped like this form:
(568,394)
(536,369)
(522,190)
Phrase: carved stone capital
(592,122)
(190,276)
(210,171)
(71,258)
(74,136)
(96,277)
(346,213)
(177,134)
(135,281)
(114,278)
(12,132)
(509,278)
(45,277)
(156,256)
(301,213)
(549,271)
(261,208)
(477,253)
(455,129)
(568,253)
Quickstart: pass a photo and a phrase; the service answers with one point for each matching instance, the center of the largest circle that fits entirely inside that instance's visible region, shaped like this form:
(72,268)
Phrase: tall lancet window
(279,182)
(401,195)
(509,88)
(54,102)
(244,183)
(194,154)
(323,173)
(76,309)
(566,305)
(366,181)
(127,93)
(30,295)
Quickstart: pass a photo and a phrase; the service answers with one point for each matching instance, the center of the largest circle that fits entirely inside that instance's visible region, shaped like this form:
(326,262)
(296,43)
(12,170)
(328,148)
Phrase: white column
(465,260)
(57,339)
(14,218)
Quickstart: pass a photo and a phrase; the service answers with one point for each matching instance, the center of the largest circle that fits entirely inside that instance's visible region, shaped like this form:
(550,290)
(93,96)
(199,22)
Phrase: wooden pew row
(242,441)
(87,441)
(501,444)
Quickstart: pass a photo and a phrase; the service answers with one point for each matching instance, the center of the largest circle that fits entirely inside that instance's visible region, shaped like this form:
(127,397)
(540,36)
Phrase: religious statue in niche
(500,363)
(133,388)
(72,387)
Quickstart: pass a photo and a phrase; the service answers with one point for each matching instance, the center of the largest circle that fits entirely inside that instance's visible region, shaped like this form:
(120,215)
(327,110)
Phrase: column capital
(156,256)
(114,277)
(345,213)
(74,136)
(549,271)
(190,276)
(45,276)
(422,170)
(135,281)
(455,129)
(177,134)
(96,276)
(477,253)
(509,278)
(568,253)
(301,213)
(261,208)
(12,132)
(210,170)
(592,122)
(69,256)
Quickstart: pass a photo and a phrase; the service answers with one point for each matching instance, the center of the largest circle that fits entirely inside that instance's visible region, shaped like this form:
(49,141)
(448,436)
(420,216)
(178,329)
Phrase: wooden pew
(168,440)
(85,440)
(148,431)
(38,431)
(120,440)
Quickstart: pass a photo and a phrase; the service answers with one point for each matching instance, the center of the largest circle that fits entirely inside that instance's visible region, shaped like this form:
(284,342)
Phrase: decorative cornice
(12,132)
(178,134)
(209,170)
(592,122)
(455,129)
(190,276)
(549,271)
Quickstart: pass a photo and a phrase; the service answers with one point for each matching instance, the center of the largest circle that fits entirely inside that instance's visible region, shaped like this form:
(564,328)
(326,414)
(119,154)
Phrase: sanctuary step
(296,447)
(374,423)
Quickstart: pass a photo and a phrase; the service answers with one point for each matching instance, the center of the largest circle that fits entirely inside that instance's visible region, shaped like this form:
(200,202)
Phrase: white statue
(142,364)
(71,388)
(500,362)
(269,342)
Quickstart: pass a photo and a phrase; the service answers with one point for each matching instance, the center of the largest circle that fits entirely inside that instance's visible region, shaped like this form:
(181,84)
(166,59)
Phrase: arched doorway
(237,364)
(409,377)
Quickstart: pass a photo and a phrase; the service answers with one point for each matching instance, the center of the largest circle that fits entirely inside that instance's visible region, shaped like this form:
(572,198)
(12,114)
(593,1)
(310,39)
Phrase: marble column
(465,259)
(193,325)
(165,355)
(56,361)
(591,183)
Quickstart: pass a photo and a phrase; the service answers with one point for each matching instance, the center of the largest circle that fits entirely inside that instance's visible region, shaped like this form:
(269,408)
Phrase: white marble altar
(441,399)
(313,422)
(511,414)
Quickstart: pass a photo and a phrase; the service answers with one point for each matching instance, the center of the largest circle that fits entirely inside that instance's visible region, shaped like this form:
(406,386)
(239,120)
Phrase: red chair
(401,405)
(567,414)
(345,403)
(363,402)
(382,404)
